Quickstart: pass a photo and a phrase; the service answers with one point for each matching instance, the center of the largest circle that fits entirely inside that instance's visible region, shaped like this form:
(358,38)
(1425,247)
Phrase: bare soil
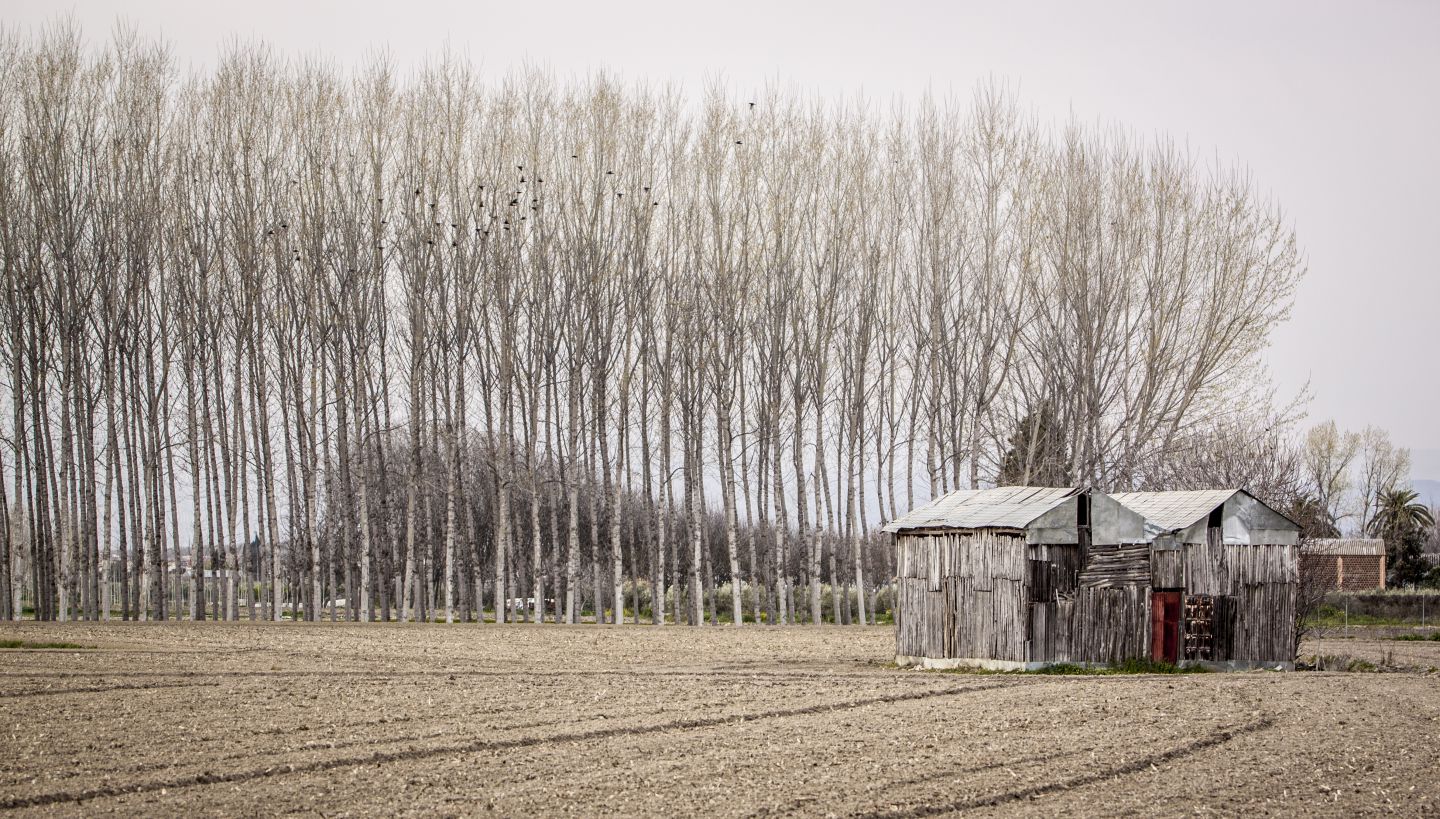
(241,719)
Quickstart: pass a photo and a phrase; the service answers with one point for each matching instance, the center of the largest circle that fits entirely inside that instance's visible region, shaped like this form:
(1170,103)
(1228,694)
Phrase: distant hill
(1428,490)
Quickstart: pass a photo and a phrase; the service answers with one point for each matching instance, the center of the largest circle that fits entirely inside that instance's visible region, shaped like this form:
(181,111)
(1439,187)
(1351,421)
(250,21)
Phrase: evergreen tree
(1037,454)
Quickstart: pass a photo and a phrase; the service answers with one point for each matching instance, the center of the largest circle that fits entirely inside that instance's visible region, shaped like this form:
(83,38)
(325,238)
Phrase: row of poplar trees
(284,339)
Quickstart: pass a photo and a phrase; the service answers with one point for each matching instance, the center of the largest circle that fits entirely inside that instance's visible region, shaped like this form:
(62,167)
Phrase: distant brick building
(1346,564)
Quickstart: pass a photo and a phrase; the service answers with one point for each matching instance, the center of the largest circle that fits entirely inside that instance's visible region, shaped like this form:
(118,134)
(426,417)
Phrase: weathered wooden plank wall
(1094,625)
(986,594)
(1255,588)
(1117,566)
(1054,570)
(962,594)
(1103,617)
(1167,568)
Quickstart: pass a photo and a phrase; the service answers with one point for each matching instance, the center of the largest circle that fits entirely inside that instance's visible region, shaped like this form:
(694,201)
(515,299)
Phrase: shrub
(1337,662)
(28,644)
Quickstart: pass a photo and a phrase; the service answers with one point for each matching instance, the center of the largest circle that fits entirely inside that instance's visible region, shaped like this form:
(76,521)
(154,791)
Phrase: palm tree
(1400,512)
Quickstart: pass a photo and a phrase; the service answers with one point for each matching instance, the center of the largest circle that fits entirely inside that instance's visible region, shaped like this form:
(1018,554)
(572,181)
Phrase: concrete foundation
(952,663)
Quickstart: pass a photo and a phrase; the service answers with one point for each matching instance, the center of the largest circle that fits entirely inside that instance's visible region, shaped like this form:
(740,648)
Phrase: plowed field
(224,719)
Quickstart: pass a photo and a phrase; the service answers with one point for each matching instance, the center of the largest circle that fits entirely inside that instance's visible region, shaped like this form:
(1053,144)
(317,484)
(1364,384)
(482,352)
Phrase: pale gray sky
(1334,107)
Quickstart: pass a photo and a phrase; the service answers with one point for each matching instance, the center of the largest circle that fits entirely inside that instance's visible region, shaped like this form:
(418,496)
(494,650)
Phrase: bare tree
(422,342)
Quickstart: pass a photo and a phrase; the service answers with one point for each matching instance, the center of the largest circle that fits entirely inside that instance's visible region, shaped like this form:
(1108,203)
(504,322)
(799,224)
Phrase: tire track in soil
(1107,774)
(474,746)
(879,674)
(372,723)
(122,649)
(322,745)
(794,806)
(395,721)
(318,745)
(101,689)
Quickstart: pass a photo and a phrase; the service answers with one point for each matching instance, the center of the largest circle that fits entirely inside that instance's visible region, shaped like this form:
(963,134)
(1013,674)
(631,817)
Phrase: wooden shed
(1019,577)
(1224,570)
(1023,577)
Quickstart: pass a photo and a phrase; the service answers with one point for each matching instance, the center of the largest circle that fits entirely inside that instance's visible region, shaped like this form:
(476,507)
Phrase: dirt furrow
(474,746)
(1104,775)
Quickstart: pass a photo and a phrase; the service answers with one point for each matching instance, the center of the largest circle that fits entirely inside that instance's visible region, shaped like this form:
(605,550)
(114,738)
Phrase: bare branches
(450,336)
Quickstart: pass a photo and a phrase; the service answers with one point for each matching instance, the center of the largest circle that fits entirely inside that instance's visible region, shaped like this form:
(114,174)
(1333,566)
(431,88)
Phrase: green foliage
(1137,665)
(31,645)
(1432,578)
(1392,591)
(1037,455)
(1314,520)
(1064,669)
(1418,638)
(881,603)
(1404,522)
(1341,662)
(1405,557)
(1328,616)
(1400,510)
(1143,666)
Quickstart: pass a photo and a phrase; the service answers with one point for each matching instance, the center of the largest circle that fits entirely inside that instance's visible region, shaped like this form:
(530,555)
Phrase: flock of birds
(505,223)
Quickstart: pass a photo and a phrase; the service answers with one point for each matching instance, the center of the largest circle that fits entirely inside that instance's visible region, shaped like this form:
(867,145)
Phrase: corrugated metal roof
(1345,546)
(1174,510)
(1010,507)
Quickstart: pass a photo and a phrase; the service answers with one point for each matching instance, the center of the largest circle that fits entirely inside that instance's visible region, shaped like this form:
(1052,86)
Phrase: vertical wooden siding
(962,594)
(1254,586)
(986,594)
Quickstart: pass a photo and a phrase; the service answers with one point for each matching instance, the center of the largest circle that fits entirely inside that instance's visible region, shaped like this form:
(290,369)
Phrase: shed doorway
(1165,626)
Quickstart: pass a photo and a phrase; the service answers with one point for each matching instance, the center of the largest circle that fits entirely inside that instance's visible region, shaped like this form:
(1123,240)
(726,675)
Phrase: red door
(1165,626)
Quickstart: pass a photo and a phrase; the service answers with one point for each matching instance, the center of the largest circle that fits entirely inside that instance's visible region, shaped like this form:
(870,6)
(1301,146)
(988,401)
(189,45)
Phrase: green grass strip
(30,644)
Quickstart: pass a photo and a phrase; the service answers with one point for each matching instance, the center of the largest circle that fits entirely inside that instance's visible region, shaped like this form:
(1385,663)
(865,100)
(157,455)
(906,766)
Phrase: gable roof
(1004,507)
(1345,547)
(1177,509)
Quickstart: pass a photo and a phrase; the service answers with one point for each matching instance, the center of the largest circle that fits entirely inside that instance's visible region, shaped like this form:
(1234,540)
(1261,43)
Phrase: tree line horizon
(440,343)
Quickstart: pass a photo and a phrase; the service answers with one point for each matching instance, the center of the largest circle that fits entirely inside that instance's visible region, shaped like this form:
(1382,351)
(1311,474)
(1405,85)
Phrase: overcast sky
(1334,107)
